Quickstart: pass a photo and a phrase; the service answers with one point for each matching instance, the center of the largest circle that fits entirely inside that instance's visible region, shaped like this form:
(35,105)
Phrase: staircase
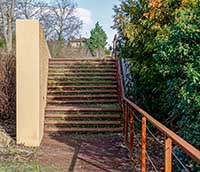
(82,96)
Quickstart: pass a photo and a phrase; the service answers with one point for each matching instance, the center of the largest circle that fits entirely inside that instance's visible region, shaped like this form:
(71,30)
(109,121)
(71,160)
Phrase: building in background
(78,43)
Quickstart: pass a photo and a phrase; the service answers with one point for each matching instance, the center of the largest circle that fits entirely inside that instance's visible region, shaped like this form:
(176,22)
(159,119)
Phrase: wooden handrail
(188,148)
(171,137)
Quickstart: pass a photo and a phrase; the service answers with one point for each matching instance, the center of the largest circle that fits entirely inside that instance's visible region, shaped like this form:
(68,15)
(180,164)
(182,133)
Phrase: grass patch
(30,166)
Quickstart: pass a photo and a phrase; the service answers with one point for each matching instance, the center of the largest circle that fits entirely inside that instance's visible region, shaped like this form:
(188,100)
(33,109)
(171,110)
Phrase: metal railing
(129,108)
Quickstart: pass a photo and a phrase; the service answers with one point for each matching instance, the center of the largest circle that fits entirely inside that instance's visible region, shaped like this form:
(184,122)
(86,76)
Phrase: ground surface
(86,154)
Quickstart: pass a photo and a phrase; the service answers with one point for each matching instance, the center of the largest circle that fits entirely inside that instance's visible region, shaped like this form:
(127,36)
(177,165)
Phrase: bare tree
(29,9)
(57,17)
(60,21)
(7,18)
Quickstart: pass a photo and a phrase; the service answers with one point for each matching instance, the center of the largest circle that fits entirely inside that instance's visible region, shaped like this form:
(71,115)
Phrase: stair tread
(82,59)
(119,129)
(83,122)
(91,77)
(75,108)
(81,116)
(82,91)
(82,101)
(81,73)
(82,82)
(60,86)
(83,96)
(82,62)
(82,67)
(82,70)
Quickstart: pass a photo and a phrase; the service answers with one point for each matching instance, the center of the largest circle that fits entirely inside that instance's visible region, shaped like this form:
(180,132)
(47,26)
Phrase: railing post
(143,152)
(131,133)
(168,155)
(125,123)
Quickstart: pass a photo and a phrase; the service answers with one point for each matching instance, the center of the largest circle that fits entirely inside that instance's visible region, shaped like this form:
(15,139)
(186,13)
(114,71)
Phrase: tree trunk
(10,27)
(7,19)
(9,41)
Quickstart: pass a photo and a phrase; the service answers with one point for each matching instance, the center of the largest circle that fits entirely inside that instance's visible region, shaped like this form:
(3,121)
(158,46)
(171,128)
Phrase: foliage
(161,40)
(138,24)
(178,60)
(97,40)
(2,43)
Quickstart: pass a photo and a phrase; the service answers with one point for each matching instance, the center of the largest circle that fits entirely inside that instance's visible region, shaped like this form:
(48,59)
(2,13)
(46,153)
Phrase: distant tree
(29,9)
(97,40)
(60,21)
(6,22)
(57,17)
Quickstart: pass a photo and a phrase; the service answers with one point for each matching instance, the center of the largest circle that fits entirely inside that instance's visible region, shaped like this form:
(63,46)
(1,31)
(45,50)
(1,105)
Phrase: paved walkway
(89,154)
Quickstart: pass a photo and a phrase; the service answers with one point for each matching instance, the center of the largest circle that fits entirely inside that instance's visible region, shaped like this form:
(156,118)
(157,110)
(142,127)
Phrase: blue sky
(91,11)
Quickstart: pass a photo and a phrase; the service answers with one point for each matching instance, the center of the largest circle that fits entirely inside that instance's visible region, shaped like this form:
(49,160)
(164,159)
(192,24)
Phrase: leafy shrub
(161,40)
(2,43)
(178,60)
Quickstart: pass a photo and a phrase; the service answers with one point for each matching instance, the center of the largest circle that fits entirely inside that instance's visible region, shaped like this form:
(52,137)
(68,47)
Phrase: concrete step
(101,101)
(102,91)
(119,129)
(86,116)
(81,87)
(79,109)
(82,59)
(62,122)
(81,82)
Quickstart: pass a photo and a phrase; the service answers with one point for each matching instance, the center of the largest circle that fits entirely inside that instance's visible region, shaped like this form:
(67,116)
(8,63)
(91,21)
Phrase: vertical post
(168,155)
(119,84)
(131,133)
(143,152)
(126,123)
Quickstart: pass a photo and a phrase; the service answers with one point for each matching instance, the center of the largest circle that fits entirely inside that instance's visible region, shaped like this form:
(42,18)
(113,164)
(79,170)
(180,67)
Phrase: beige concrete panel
(32,69)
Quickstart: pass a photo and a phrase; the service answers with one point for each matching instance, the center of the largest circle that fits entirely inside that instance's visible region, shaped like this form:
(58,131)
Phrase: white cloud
(86,16)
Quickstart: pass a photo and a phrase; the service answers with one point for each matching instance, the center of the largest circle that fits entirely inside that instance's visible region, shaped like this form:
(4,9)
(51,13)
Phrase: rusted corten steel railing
(129,108)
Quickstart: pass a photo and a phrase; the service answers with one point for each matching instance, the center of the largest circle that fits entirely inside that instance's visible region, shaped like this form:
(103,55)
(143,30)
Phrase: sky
(91,11)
